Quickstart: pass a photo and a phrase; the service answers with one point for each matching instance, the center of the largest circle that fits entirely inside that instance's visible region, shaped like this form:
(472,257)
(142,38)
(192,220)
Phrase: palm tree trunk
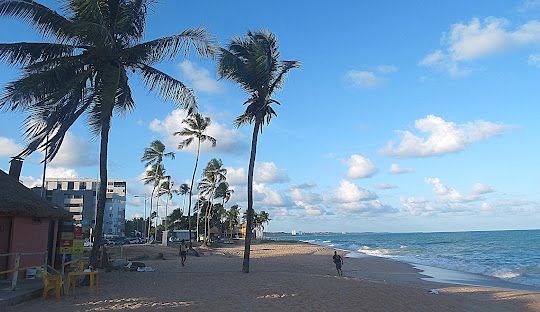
(102,191)
(166,206)
(191,194)
(150,214)
(198,212)
(249,221)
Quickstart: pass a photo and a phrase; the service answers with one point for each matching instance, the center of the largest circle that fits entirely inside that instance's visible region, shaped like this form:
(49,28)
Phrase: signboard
(66,243)
(79,234)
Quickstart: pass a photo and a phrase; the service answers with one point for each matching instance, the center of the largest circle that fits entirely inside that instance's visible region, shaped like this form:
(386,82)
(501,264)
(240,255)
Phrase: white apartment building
(79,196)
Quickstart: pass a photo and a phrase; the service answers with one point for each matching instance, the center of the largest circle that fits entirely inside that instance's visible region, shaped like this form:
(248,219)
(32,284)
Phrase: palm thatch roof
(18,200)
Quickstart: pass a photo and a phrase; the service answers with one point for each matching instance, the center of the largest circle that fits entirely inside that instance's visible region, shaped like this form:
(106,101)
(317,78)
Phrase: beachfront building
(79,197)
(28,224)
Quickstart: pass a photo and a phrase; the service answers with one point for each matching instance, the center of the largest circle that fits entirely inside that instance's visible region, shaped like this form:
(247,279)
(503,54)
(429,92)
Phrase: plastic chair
(51,282)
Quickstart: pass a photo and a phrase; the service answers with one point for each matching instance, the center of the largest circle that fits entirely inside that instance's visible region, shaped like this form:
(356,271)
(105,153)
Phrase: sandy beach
(284,276)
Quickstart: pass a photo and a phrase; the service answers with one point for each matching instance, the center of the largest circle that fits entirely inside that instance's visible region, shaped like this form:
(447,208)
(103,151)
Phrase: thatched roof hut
(18,200)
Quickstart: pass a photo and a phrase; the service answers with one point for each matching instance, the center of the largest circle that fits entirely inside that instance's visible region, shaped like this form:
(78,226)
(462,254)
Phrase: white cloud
(418,206)
(351,193)
(396,169)
(61,172)
(442,137)
(266,197)
(386,69)
(30,181)
(480,188)
(450,194)
(360,167)
(364,79)
(385,186)
(199,78)
(527,5)
(369,79)
(9,148)
(449,200)
(534,60)
(236,176)
(76,152)
(268,172)
(229,140)
(470,41)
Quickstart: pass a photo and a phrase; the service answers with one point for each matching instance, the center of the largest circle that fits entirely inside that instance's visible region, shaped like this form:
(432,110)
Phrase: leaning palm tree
(153,156)
(154,176)
(213,175)
(253,62)
(183,190)
(166,188)
(94,48)
(197,125)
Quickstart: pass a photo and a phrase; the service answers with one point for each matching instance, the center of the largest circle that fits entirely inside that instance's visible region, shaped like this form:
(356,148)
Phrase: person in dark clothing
(338,261)
(183,251)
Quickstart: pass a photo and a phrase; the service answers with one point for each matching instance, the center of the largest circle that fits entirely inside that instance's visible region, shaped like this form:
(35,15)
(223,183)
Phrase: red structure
(28,224)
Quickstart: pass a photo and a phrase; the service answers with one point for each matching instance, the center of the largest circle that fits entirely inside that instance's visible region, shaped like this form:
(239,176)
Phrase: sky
(404,117)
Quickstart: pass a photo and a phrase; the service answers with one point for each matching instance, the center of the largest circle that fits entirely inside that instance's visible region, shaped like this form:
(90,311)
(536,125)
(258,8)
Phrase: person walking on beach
(338,260)
(183,251)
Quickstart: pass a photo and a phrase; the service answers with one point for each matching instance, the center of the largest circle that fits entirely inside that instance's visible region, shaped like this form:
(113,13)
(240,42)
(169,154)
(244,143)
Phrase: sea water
(512,256)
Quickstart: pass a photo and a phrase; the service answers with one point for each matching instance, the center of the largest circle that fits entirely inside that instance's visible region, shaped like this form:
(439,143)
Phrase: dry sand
(284,277)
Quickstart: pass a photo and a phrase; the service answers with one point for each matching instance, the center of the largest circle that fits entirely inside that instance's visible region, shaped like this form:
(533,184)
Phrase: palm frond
(24,53)
(45,20)
(168,87)
(168,47)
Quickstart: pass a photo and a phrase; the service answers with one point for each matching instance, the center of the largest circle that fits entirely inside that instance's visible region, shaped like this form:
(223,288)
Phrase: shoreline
(430,273)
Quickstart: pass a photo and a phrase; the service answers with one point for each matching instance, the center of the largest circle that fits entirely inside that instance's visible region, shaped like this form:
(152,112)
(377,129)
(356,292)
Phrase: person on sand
(338,260)
(183,251)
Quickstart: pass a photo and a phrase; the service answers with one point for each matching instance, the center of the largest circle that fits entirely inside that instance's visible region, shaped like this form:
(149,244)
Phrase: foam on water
(512,256)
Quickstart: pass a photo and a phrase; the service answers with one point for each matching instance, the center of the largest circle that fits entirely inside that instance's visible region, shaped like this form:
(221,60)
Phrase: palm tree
(175,217)
(213,175)
(197,125)
(166,188)
(97,45)
(154,155)
(154,176)
(260,219)
(224,192)
(183,190)
(253,62)
(231,218)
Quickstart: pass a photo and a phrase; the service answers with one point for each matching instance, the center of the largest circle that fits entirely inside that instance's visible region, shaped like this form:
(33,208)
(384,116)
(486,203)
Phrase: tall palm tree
(166,188)
(96,47)
(253,62)
(153,176)
(213,175)
(154,155)
(196,127)
(183,190)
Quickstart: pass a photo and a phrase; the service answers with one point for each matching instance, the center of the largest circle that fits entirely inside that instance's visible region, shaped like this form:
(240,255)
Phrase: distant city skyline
(404,117)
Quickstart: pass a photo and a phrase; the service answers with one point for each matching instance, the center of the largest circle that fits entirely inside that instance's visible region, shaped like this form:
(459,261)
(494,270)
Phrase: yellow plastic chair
(51,282)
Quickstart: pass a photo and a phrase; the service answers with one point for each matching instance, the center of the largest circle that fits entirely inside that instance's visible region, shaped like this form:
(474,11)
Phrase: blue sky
(406,116)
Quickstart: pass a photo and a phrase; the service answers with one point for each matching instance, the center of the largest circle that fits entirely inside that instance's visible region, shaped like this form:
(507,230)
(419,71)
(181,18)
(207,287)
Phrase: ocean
(511,256)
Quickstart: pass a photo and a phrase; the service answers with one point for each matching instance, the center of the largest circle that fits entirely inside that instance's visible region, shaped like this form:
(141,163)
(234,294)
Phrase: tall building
(79,196)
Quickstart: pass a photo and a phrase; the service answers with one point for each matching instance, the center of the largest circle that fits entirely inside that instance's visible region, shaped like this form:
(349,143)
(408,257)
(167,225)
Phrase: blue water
(513,256)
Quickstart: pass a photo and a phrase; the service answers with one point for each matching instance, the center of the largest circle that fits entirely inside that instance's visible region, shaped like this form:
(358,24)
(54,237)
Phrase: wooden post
(16,272)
